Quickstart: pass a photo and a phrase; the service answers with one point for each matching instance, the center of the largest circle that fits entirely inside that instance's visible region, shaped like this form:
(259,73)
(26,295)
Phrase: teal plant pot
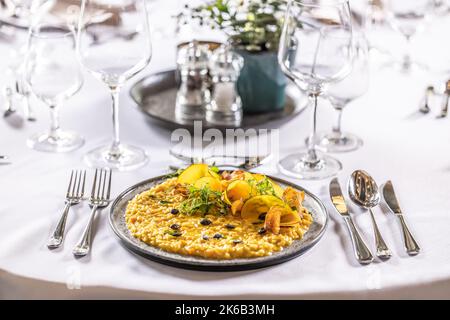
(261,83)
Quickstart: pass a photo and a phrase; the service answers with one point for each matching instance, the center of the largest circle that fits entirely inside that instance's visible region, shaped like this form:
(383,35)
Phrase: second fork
(100,195)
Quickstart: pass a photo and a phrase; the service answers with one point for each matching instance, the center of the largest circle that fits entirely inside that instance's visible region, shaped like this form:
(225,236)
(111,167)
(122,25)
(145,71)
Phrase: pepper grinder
(193,90)
(225,107)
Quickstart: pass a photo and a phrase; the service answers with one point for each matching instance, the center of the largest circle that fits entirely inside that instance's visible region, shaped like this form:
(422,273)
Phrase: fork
(101,189)
(74,195)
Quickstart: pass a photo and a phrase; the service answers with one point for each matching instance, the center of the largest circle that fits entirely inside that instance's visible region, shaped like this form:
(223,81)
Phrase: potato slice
(209,182)
(193,173)
(238,189)
(276,187)
(214,174)
(258,205)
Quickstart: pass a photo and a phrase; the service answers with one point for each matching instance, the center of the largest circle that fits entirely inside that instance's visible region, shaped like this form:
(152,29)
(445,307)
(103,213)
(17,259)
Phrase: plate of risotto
(204,218)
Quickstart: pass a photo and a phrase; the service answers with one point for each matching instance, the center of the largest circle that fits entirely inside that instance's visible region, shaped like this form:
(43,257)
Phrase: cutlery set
(99,199)
(429,93)
(364,192)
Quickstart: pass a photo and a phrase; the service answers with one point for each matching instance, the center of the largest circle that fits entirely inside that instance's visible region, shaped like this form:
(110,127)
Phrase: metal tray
(297,248)
(155,96)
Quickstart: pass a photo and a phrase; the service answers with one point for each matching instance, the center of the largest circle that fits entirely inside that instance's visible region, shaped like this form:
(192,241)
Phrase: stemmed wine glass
(53,74)
(408,17)
(341,94)
(316,49)
(113,44)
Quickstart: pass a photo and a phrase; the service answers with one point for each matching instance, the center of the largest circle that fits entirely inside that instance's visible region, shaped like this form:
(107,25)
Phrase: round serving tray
(297,248)
(155,96)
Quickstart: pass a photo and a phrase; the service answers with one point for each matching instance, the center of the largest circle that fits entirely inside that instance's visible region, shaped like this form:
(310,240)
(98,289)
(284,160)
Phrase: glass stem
(54,122)
(407,61)
(312,155)
(337,127)
(115,150)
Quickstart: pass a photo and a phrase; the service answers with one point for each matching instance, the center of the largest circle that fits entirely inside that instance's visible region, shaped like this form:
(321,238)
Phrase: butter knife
(387,190)
(360,249)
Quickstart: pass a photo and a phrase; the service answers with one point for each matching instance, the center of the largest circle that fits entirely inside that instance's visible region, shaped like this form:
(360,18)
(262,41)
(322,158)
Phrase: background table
(399,144)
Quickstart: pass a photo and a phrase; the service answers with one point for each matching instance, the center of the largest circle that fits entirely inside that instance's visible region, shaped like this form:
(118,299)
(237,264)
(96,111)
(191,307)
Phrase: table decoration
(253,29)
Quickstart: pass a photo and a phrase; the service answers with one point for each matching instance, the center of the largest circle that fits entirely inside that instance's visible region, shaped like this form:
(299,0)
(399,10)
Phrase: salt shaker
(225,107)
(193,90)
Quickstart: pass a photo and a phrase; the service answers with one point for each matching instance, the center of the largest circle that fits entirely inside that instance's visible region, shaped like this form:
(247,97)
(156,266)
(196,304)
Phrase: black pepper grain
(174,211)
(230,226)
(205,222)
(218,236)
(262,231)
(175,226)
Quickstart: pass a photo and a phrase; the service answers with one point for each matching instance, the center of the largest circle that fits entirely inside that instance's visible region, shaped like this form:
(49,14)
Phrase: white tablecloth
(410,149)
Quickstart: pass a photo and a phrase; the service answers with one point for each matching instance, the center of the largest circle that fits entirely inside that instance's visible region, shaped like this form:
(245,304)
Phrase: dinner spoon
(363,190)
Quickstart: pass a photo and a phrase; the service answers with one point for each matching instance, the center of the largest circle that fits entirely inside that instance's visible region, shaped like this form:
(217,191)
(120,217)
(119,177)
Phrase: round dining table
(401,144)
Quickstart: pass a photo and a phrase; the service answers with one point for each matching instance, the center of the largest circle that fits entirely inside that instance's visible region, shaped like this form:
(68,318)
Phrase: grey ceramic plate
(155,96)
(297,248)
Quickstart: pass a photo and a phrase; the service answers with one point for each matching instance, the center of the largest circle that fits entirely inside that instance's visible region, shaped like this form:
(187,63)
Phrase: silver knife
(387,190)
(362,252)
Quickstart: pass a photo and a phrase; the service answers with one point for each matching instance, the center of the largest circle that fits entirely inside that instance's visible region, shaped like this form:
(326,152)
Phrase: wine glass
(341,94)
(316,49)
(53,75)
(408,17)
(114,45)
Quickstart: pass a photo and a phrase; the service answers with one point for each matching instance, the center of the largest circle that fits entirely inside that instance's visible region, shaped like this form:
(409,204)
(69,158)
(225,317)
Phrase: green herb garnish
(265,187)
(215,169)
(203,201)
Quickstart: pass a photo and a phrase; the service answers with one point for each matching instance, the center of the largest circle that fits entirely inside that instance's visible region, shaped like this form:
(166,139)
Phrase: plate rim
(251,265)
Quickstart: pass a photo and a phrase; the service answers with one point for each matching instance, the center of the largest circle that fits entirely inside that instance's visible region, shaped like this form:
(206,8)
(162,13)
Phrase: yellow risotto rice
(153,217)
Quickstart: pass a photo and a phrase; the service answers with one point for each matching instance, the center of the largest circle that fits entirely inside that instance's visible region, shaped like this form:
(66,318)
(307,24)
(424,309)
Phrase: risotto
(216,221)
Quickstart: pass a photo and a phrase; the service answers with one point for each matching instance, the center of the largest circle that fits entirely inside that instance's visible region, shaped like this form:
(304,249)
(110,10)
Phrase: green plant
(253,25)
